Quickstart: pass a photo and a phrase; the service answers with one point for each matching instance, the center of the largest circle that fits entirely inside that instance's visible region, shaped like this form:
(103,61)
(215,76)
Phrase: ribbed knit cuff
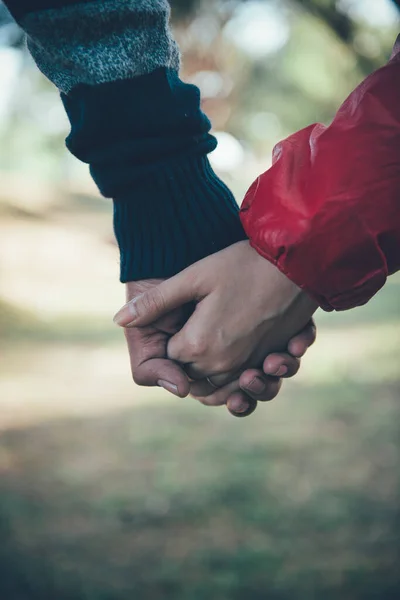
(174,218)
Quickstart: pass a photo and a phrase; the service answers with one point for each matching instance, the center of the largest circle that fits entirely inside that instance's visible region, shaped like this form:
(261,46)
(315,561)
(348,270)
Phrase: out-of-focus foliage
(265,68)
(323,53)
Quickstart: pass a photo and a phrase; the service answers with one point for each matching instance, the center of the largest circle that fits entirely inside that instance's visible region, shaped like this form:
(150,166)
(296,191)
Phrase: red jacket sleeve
(327,212)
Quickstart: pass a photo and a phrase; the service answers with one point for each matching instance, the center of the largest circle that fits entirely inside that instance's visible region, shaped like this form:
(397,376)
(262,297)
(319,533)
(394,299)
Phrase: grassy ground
(110,492)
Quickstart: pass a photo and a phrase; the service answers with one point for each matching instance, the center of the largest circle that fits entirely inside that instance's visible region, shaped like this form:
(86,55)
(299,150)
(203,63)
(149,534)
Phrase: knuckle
(139,378)
(152,301)
(175,353)
(223,365)
(197,347)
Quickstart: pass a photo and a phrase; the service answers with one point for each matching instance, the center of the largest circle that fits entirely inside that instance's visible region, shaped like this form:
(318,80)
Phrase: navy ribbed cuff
(173,218)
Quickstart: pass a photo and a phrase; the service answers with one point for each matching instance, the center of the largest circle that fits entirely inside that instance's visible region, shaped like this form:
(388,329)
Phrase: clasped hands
(225,330)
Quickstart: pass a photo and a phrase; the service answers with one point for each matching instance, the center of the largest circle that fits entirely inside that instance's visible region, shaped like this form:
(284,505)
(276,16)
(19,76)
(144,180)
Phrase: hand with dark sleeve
(137,125)
(146,140)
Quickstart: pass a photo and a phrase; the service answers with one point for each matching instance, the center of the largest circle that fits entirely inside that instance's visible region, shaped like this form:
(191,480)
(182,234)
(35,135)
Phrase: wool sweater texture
(138,126)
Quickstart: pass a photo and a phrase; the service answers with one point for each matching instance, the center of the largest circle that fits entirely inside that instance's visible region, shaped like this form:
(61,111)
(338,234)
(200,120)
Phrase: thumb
(157,301)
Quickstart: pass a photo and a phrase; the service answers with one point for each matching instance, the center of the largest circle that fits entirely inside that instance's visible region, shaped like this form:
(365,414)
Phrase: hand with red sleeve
(327,213)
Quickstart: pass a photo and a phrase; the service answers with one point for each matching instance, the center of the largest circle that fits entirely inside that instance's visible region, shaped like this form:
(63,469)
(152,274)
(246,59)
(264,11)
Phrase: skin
(230,335)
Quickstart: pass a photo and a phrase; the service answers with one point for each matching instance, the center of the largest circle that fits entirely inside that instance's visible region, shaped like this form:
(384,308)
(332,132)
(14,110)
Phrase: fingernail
(170,387)
(256,385)
(126,316)
(242,408)
(281,371)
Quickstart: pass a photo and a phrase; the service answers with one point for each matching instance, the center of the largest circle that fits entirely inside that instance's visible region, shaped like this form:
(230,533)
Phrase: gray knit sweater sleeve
(98,42)
(139,127)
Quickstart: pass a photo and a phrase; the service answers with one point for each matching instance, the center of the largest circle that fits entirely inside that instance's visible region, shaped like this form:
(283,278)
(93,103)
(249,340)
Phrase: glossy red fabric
(327,212)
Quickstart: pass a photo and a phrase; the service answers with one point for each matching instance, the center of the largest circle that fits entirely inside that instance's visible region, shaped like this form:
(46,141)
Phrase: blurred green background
(109,491)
